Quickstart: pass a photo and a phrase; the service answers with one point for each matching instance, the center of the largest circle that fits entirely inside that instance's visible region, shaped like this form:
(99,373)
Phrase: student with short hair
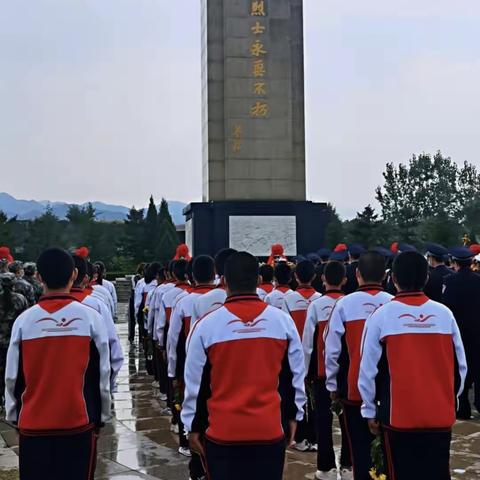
(342,354)
(239,358)
(58,378)
(412,371)
(318,314)
(283,277)
(216,298)
(266,284)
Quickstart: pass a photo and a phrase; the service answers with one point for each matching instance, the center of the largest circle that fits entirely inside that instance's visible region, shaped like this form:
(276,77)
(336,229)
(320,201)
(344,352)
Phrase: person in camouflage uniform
(11,306)
(30,269)
(21,285)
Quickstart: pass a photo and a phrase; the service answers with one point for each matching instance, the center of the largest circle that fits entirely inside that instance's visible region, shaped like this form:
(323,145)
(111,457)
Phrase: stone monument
(253,131)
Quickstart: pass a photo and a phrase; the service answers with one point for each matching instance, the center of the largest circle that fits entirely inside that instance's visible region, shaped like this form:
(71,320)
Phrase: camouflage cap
(7,280)
(15,266)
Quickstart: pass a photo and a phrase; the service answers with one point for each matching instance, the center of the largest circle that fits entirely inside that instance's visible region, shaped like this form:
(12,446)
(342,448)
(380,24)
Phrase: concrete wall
(247,157)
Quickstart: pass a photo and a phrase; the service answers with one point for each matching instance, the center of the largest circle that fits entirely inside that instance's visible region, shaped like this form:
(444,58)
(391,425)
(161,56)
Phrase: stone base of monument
(254,226)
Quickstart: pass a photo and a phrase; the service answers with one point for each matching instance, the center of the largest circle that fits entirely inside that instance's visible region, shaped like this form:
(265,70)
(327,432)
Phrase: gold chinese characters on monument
(259,53)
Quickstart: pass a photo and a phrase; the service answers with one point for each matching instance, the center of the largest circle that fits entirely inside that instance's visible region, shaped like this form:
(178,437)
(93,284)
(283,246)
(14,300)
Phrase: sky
(101,100)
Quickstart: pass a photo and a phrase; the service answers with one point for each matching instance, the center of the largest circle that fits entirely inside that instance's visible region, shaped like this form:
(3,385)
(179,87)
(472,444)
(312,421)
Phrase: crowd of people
(251,358)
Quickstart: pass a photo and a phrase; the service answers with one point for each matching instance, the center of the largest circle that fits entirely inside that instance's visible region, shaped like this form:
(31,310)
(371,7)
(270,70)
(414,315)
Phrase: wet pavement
(138,444)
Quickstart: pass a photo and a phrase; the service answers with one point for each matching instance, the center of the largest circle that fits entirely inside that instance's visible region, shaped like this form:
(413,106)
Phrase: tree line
(430,199)
(121,245)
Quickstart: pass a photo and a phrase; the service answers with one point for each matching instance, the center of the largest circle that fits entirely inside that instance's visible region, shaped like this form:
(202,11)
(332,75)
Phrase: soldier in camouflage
(30,269)
(21,285)
(11,306)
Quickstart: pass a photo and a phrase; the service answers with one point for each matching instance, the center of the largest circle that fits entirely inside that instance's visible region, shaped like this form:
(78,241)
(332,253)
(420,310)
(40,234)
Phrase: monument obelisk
(253,130)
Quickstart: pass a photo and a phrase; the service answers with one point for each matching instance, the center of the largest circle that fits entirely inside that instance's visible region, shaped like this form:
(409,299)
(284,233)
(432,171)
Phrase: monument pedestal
(255,226)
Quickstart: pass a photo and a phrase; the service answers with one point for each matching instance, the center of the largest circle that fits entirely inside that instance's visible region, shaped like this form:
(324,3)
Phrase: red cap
(182,252)
(341,247)
(394,247)
(83,252)
(475,248)
(5,254)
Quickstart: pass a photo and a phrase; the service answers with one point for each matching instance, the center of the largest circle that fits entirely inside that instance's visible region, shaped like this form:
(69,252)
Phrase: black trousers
(360,440)
(58,457)
(472,380)
(131,319)
(324,423)
(3,364)
(417,455)
(162,369)
(306,428)
(240,462)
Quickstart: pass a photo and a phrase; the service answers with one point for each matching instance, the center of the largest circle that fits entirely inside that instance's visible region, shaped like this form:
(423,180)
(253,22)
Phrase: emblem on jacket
(249,327)
(60,325)
(419,321)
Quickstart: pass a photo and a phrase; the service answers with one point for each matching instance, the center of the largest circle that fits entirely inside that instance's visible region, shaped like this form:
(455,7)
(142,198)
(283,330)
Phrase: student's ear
(259,280)
(74,275)
(85,279)
(40,279)
(296,278)
(394,280)
(344,281)
(359,276)
(324,280)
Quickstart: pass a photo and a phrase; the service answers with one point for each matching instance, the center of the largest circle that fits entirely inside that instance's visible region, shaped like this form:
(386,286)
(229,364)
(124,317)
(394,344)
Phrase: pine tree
(151,231)
(168,238)
(134,232)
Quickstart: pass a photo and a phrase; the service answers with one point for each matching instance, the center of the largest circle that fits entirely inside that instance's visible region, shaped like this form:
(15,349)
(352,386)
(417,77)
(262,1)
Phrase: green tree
(440,229)
(7,236)
(133,238)
(428,187)
(335,231)
(363,228)
(82,227)
(168,238)
(151,230)
(43,232)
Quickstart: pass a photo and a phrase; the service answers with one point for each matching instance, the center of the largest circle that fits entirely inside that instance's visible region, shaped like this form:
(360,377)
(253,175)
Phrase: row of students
(62,362)
(386,360)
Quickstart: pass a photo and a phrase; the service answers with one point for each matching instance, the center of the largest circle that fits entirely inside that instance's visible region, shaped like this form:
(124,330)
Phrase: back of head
(410,271)
(90,270)
(372,267)
(283,273)
(55,266)
(180,270)
(203,269)
(140,268)
(30,269)
(101,270)
(305,271)
(241,273)
(81,266)
(152,271)
(334,273)
(266,272)
(15,267)
(221,259)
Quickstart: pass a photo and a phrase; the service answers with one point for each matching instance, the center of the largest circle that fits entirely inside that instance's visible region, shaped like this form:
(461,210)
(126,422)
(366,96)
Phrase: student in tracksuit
(296,305)
(342,354)
(283,278)
(58,378)
(239,358)
(266,283)
(318,315)
(412,371)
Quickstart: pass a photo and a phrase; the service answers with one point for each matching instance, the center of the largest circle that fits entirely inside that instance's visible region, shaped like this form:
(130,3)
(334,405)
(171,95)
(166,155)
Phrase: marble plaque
(256,234)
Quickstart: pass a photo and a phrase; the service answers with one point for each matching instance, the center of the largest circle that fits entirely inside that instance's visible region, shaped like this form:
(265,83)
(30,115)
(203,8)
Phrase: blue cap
(339,256)
(355,249)
(386,252)
(300,258)
(436,250)
(324,253)
(461,253)
(406,247)
(313,257)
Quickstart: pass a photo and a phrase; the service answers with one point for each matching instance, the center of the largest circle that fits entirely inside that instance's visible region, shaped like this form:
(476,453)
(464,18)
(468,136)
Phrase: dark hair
(55,266)
(241,272)
(410,270)
(334,273)
(372,267)
(170,266)
(81,266)
(203,269)
(90,270)
(467,263)
(190,271)
(283,273)
(305,271)
(266,272)
(221,259)
(140,268)
(152,271)
(100,269)
(179,270)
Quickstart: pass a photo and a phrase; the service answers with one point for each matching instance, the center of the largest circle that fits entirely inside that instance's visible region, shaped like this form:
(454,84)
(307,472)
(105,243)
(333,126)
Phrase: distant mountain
(31,209)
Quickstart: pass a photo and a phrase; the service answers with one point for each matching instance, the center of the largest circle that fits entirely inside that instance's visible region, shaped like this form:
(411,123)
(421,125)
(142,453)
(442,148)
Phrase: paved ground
(138,444)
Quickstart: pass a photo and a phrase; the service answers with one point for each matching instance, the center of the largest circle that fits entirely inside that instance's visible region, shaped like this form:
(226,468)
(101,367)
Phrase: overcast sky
(100,99)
